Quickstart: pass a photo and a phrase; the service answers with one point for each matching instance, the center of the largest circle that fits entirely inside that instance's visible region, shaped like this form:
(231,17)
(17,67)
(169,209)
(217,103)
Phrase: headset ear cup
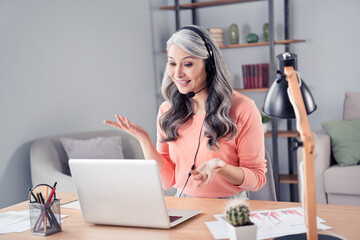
(210,68)
(210,62)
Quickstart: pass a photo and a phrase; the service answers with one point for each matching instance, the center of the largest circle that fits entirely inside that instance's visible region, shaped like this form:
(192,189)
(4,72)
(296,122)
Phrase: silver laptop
(123,192)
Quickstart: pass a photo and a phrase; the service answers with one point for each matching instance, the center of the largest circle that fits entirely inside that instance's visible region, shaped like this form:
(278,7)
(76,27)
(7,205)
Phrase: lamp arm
(308,150)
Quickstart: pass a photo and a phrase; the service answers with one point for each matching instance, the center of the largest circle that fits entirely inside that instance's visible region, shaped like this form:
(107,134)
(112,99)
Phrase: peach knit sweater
(246,150)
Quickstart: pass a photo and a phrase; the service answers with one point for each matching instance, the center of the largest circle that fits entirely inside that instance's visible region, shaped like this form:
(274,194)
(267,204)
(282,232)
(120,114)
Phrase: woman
(210,141)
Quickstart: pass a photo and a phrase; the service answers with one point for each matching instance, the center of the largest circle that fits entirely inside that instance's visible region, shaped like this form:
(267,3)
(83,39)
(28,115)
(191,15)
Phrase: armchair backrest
(351,106)
(267,192)
(48,159)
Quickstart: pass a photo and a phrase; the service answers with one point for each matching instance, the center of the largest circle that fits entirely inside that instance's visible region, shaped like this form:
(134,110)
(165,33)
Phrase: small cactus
(238,213)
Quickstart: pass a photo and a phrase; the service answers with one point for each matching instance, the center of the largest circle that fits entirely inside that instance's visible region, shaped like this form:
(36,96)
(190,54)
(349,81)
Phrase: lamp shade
(277,103)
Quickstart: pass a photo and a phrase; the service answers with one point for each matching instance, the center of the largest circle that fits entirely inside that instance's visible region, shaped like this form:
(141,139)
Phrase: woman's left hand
(206,172)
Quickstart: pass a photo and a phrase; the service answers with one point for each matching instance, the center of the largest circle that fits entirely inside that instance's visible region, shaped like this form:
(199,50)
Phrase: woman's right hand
(133,129)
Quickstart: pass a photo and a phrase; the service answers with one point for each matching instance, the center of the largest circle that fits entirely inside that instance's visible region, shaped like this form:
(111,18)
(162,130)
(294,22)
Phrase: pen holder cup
(45,219)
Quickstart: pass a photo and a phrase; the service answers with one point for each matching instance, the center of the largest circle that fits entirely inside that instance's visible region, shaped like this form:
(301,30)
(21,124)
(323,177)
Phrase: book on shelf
(216,30)
(218,35)
(255,75)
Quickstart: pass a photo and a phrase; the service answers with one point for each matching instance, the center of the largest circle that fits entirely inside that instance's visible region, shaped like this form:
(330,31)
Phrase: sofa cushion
(93,148)
(350,180)
(343,199)
(351,106)
(345,140)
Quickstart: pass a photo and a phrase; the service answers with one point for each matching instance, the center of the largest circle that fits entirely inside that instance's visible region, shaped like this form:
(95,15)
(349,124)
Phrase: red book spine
(260,84)
(248,76)
(252,78)
(265,73)
(244,75)
(257,76)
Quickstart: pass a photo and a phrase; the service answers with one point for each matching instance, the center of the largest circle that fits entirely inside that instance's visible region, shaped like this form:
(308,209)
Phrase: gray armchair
(48,155)
(267,192)
(336,184)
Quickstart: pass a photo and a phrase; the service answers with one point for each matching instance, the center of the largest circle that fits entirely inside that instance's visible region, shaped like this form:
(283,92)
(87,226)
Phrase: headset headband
(207,45)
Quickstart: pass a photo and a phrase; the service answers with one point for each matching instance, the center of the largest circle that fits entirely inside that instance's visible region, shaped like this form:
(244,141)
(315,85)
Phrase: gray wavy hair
(218,124)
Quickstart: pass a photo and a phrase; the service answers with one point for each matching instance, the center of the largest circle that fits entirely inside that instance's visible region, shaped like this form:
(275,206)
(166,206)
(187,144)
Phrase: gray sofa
(336,184)
(48,162)
(47,157)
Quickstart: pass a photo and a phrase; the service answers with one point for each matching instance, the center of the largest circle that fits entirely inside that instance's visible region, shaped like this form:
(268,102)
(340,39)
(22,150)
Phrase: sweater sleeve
(167,172)
(251,148)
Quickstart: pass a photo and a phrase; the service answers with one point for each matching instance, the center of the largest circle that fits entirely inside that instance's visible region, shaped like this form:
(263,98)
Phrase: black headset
(210,67)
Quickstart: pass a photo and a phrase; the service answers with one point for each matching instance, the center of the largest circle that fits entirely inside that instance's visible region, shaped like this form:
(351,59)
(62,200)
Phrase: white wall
(65,66)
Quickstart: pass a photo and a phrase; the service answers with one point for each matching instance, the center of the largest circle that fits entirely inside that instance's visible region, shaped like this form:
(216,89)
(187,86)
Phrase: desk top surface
(344,220)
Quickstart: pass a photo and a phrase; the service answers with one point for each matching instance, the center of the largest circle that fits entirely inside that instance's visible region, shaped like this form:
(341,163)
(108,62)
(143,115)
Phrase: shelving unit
(195,5)
(283,134)
(274,134)
(288,178)
(244,90)
(288,41)
(244,45)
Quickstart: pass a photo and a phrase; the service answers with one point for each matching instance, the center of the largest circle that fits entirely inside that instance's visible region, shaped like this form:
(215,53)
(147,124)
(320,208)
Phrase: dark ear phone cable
(197,150)
(210,69)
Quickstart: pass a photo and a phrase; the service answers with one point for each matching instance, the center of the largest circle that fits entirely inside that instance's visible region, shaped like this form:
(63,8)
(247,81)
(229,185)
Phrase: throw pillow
(93,148)
(351,106)
(345,140)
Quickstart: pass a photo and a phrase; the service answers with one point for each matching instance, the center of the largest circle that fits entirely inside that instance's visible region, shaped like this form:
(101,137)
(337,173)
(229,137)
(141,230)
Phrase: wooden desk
(344,220)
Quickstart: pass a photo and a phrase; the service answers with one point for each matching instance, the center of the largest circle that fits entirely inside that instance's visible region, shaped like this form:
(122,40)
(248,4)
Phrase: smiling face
(187,72)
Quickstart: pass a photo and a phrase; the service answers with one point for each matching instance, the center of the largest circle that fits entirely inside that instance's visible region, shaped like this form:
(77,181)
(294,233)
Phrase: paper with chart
(15,221)
(271,223)
(73,205)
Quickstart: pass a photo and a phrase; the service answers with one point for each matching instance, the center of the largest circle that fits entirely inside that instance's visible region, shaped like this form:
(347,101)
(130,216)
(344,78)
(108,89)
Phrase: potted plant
(237,215)
(265,121)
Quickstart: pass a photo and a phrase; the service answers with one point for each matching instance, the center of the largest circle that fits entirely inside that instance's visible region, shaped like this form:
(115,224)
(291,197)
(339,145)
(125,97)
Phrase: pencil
(33,195)
(47,201)
(45,220)
(52,193)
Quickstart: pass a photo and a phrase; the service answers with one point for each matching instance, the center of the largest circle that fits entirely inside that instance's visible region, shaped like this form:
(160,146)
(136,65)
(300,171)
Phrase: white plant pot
(248,232)
(265,127)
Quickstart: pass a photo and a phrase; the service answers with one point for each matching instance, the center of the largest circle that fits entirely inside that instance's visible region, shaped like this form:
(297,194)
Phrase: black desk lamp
(289,97)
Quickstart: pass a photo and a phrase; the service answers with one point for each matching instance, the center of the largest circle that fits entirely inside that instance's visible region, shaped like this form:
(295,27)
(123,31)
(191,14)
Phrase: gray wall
(65,66)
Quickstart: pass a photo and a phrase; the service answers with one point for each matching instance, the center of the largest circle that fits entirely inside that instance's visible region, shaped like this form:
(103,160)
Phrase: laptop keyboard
(174,218)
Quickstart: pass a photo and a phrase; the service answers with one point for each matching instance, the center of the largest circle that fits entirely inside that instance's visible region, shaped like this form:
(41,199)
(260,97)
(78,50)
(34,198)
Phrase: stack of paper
(271,223)
(15,221)
(73,205)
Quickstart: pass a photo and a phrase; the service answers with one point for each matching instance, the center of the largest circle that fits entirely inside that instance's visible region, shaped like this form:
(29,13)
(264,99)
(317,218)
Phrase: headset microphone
(210,71)
(210,62)
(192,94)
